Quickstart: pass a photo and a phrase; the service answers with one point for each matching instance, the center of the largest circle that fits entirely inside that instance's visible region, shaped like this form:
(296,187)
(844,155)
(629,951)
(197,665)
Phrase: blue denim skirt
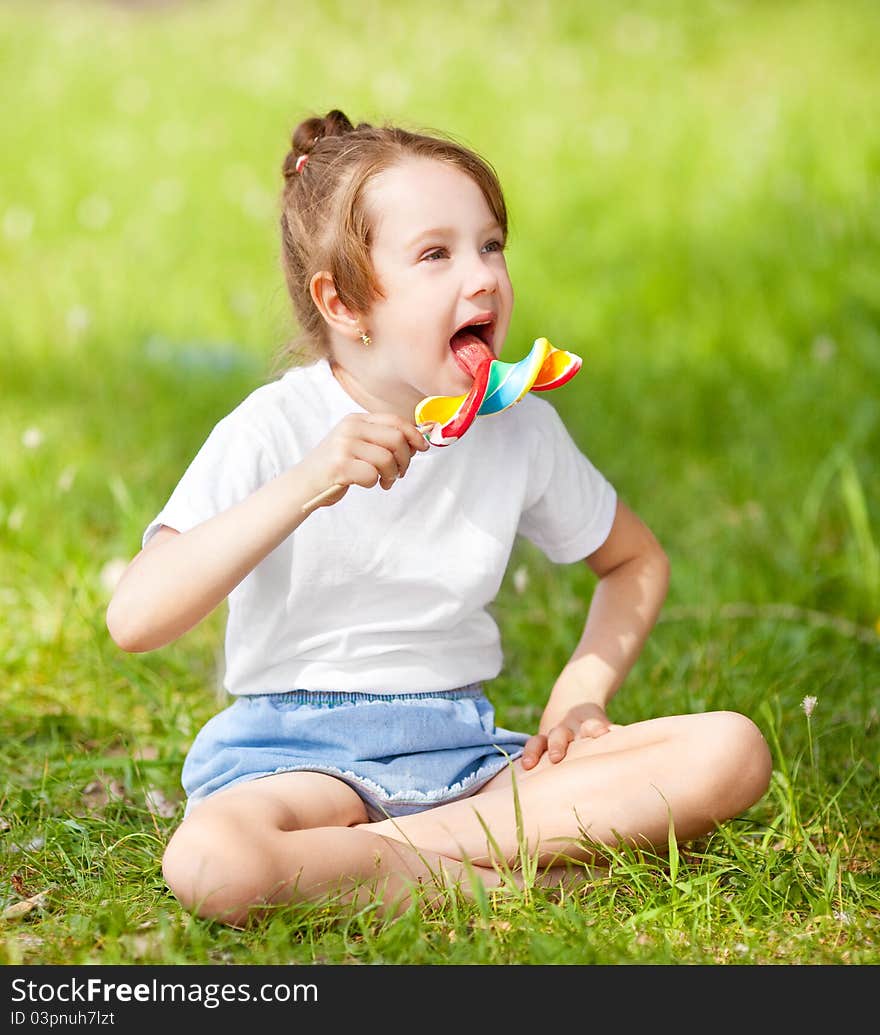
(401,753)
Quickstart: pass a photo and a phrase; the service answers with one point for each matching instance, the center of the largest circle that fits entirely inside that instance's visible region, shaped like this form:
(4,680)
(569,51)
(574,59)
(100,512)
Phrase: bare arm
(180,578)
(633,575)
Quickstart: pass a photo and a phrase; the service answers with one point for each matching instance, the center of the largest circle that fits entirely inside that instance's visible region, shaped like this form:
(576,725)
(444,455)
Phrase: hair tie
(300,162)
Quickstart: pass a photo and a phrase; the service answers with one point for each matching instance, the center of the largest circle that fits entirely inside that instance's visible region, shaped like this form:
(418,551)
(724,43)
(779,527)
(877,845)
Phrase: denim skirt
(402,753)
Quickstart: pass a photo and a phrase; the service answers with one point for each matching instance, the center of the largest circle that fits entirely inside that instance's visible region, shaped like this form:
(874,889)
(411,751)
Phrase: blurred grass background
(693,190)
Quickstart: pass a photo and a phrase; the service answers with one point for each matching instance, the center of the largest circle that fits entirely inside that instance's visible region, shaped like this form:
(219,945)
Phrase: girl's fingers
(593,728)
(391,438)
(363,473)
(372,447)
(534,748)
(414,438)
(384,464)
(558,740)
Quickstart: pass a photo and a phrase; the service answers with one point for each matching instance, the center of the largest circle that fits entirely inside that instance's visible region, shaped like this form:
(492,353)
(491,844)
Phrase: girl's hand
(586,721)
(363,449)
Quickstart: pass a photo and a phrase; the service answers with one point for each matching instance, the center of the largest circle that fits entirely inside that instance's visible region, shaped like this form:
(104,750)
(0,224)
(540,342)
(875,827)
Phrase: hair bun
(334,124)
(307,134)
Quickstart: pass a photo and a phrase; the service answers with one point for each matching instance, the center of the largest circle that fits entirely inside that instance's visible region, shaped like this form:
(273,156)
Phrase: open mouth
(472,345)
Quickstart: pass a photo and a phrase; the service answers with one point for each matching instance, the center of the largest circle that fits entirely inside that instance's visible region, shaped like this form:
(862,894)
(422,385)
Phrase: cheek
(506,286)
(424,323)
(415,307)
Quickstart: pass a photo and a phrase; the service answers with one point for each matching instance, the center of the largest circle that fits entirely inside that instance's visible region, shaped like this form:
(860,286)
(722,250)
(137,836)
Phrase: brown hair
(324,222)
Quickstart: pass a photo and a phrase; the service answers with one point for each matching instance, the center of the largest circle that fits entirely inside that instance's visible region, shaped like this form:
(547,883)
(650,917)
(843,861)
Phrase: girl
(360,755)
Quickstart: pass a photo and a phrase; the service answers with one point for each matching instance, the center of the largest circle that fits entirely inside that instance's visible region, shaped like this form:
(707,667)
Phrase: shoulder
(280,403)
(270,428)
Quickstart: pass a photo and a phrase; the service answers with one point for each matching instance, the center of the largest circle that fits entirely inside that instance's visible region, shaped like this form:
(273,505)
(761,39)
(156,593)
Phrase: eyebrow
(447,231)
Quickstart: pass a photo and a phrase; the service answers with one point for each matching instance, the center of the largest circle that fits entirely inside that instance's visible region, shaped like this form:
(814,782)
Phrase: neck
(373,397)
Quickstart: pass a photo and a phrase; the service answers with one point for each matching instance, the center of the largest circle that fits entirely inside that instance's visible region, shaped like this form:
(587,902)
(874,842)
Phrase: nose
(480,276)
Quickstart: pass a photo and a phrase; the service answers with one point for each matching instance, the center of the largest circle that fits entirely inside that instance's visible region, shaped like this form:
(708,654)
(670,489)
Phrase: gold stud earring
(365,338)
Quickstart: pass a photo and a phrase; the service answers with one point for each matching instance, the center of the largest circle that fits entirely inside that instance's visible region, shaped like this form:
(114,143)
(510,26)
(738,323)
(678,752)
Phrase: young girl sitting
(360,755)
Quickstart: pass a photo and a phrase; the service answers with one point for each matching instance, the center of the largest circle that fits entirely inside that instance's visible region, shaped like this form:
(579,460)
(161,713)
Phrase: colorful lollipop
(497,386)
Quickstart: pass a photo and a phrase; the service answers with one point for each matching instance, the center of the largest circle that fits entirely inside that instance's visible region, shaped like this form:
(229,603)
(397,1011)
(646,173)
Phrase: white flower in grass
(808,704)
(32,438)
(521,579)
(65,479)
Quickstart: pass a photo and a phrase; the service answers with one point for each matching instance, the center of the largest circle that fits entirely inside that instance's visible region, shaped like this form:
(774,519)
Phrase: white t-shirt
(387,591)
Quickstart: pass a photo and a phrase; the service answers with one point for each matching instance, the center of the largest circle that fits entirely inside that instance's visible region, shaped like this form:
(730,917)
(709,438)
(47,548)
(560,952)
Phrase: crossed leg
(699,769)
(306,836)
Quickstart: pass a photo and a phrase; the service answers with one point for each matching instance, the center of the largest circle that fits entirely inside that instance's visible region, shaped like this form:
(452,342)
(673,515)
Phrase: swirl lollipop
(497,386)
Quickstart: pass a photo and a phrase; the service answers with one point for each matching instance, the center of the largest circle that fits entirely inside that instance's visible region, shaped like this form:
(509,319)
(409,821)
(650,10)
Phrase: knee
(215,872)
(743,759)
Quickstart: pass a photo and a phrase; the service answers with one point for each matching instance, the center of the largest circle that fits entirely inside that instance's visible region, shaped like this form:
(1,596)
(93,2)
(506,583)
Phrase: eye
(495,246)
(437,253)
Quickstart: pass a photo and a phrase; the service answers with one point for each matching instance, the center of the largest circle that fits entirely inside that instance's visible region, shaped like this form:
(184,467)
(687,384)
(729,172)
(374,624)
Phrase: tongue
(470,351)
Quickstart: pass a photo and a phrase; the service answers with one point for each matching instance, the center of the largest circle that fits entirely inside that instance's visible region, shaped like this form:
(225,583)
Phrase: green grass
(693,193)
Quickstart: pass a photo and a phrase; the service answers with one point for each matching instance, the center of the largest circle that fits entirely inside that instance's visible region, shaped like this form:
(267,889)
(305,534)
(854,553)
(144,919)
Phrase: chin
(449,379)
(459,381)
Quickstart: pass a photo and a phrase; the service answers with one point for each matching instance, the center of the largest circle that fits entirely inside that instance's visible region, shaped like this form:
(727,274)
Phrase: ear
(340,318)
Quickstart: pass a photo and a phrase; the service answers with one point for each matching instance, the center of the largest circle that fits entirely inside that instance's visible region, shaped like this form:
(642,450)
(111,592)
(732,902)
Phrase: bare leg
(620,788)
(306,837)
(298,837)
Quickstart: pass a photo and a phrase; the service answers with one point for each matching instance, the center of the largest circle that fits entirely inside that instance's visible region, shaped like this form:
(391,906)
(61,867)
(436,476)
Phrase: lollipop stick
(325,495)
